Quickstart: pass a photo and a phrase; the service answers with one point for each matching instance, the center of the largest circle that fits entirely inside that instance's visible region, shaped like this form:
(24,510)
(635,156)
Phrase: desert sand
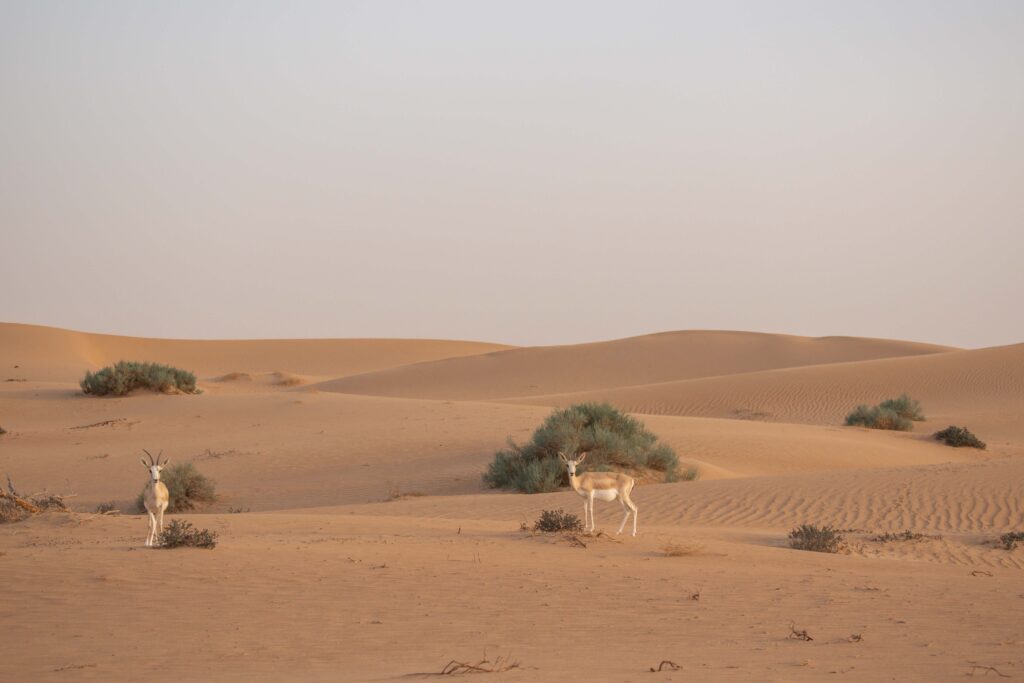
(358,543)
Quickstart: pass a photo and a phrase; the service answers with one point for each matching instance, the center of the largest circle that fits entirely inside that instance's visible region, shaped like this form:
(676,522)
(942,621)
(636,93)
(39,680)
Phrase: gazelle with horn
(606,486)
(155,496)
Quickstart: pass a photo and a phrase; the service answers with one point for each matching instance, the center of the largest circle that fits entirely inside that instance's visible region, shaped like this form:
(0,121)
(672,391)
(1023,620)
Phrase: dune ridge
(54,354)
(663,357)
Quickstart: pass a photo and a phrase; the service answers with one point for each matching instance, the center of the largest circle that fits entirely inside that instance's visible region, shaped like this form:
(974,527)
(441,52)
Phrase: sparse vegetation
(125,376)
(14,507)
(816,539)
(907,535)
(689,474)
(613,440)
(551,521)
(106,508)
(181,534)
(904,406)
(897,414)
(673,549)
(186,486)
(1011,539)
(874,417)
(959,437)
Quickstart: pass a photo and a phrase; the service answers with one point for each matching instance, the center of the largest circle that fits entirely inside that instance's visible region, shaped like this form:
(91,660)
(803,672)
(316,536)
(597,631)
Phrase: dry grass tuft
(674,549)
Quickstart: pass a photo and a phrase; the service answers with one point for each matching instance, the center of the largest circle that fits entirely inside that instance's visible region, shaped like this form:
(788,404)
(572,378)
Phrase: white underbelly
(606,494)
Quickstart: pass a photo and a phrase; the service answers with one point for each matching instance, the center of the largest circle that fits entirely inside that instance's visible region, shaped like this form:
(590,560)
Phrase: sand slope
(985,386)
(638,360)
(51,354)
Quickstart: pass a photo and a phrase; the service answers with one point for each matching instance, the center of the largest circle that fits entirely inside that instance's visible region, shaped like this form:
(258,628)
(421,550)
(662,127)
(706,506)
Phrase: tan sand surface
(368,548)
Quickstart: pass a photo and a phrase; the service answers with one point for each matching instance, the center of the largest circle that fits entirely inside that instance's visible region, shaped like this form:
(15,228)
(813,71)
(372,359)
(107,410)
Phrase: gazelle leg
(160,526)
(586,519)
(593,524)
(626,510)
(636,513)
(152,529)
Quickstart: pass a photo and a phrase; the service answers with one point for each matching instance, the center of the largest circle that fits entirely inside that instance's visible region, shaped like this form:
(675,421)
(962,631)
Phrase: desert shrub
(181,534)
(104,508)
(612,439)
(2,431)
(186,487)
(1011,539)
(557,520)
(907,535)
(905,407)
(689,474)
(959,437)
(125,376)
(816,539)
(876,417)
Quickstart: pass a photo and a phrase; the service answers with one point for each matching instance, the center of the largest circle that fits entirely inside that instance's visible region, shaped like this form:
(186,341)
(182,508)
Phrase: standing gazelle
(155,496)
(605,486)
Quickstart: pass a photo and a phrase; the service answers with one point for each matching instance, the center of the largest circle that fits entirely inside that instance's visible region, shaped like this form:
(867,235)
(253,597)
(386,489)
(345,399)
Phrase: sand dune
(985,386)
(626,362)
(51,354)
(372,551)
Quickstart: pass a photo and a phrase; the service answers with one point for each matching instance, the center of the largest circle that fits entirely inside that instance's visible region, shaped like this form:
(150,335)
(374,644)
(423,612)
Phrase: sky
(519,172)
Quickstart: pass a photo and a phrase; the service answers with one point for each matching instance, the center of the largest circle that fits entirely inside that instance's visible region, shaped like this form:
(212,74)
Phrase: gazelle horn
(151,463)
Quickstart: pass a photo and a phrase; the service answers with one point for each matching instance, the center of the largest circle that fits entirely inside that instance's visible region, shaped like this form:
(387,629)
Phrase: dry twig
(672,666)
(798,635)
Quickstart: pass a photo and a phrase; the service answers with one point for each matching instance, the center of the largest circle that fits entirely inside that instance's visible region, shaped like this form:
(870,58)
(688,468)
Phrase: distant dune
(649,359)
(52,354)
(985,383)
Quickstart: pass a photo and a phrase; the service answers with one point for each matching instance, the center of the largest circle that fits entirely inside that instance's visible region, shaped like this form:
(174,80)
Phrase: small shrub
(104,508)
(181,534)
(905,407)
(125,376)
(816,539)
(2,431)
(876,417)
(186,485)
(689,474)
(907,535)
(959,437)
(1011,539)
(613,440)
(557,520)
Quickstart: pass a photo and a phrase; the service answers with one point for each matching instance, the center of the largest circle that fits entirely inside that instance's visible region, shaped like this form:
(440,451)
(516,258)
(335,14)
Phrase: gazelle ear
(143,461)
(583,456)
(165,463)
(561,456)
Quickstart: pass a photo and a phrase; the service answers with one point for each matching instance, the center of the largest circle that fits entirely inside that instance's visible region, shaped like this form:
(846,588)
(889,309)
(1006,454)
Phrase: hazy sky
(525,172)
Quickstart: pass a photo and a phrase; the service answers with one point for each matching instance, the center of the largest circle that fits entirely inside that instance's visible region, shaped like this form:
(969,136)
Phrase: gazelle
(605,486)
(155,496)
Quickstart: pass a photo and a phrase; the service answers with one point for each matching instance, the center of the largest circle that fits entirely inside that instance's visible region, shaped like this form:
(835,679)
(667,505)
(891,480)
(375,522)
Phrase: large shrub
(186,486)
(894,413)
(612,439)
(124,376)
(959,437)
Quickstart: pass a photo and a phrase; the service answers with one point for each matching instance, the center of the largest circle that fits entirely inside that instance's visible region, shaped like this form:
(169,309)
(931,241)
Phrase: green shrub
(125,376)
(876,417)
(816,539)
(186,485)
(905,407)
(959,437)
(180,534)
(689,474)
(612,439)
(1011,539)
(557,520)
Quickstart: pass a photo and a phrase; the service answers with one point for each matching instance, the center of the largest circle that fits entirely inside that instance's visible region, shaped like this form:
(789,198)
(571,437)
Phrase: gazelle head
(154,466)
(572,463)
